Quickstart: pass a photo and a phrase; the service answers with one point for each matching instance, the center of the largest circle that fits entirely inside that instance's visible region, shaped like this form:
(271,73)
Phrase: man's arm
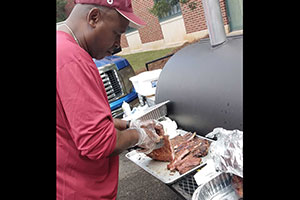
(125,139)
(121,124)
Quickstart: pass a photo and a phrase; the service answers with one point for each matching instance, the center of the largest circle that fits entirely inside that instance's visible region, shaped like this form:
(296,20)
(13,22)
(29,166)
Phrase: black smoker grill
(204,83)
(205,87)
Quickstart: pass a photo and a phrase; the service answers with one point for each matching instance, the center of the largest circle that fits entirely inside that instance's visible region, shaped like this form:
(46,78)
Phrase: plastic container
(145,82)
(150,101)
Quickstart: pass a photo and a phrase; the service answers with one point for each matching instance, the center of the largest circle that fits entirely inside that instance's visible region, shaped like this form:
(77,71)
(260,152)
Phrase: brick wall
(152,31)
(223,10)
(195,19)
(124,42)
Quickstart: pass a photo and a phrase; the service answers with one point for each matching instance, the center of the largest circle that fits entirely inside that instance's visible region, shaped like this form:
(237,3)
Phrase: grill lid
(204,86)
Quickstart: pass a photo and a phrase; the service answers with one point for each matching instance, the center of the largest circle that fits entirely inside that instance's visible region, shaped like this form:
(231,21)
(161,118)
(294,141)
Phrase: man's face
(106,34)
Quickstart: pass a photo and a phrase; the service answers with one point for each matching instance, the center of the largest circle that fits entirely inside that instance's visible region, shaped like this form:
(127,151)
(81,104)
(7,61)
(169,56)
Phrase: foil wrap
(227,150)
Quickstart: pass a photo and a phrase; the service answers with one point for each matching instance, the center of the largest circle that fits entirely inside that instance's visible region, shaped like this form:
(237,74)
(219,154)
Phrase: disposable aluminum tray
(159,169)
(218,188)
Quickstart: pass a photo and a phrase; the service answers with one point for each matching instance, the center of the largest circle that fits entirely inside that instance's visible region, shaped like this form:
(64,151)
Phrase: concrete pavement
(137,184)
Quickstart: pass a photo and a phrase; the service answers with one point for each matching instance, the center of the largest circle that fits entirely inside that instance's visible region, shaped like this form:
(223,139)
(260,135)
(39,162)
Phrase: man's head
(100,23)
(124,7)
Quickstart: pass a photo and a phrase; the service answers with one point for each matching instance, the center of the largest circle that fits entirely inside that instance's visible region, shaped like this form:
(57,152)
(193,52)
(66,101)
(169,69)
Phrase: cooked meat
(183,152)
(202,149)
(237,183)
(166,153)
(188,155)
(178,157)
(188,163)
(183,149)
(181,140)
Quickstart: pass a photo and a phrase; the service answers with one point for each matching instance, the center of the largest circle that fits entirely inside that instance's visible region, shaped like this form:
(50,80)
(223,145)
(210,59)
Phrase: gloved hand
(148,134)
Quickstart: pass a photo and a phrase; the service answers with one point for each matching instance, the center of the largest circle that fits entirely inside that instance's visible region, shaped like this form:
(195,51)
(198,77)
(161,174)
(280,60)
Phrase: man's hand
(148,134)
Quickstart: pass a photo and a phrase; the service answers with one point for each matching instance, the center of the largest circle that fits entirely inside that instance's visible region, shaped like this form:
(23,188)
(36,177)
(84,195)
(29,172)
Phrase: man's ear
(94,16)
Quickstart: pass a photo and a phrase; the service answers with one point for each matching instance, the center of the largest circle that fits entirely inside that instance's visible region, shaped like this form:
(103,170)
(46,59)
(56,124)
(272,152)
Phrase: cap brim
(134,21)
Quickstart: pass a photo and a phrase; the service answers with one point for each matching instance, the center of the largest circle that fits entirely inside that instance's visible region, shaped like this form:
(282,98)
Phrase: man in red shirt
(88,138)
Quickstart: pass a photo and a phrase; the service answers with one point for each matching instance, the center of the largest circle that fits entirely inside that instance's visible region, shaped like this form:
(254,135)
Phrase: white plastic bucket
(145,82)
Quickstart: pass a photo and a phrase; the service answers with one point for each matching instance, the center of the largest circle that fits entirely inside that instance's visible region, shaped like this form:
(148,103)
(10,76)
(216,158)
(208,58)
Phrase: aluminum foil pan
(218,188)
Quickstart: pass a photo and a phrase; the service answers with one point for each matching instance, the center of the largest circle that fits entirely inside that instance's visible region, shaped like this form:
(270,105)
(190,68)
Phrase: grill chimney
(214,22)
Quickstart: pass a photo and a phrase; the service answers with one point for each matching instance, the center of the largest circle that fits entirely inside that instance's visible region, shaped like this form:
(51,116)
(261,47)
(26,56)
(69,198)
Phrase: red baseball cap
(122,6)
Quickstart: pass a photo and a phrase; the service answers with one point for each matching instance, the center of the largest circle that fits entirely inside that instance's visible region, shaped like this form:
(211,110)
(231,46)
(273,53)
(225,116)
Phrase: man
(88,138)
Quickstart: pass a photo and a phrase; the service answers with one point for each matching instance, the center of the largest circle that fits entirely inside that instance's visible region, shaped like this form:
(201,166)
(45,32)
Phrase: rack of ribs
(183,152)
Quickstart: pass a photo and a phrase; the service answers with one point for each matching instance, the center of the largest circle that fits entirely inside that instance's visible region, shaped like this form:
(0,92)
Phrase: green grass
(138,60)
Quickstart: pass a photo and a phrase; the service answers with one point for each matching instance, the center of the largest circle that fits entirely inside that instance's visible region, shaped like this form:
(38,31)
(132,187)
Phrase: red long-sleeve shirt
(85,133)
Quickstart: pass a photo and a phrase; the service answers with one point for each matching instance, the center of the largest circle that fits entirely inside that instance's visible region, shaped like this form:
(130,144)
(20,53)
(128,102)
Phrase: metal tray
(218,188)
(159,169)
(154,112)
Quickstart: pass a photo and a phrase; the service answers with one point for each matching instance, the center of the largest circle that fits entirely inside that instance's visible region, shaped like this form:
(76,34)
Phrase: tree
(162,7)
(60,10)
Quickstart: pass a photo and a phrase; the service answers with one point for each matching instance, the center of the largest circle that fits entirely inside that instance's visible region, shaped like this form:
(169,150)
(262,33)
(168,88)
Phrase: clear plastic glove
(148,134)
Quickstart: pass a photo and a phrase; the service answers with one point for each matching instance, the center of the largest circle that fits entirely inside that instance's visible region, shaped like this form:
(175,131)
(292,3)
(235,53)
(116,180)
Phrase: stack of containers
(145,85)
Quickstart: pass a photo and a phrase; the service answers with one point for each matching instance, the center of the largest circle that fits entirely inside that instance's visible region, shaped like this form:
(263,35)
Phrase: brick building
(180,25)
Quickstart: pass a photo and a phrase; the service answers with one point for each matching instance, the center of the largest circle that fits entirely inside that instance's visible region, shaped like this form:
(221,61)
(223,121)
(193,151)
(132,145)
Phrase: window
(130,29)
(174,11)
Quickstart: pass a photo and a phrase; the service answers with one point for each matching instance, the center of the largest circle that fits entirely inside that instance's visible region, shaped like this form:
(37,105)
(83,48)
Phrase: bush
(162,7)
(60,10)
